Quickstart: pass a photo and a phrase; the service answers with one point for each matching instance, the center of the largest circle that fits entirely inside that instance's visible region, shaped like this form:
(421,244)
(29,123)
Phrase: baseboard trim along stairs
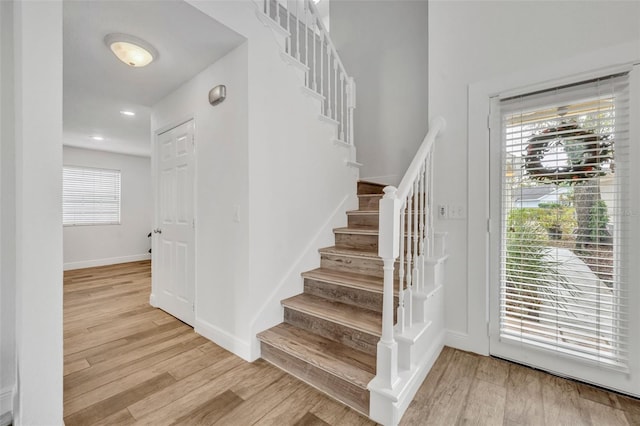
(331,331)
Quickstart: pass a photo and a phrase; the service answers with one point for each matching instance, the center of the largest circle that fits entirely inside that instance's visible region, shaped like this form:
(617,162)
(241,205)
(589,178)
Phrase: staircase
(330,331)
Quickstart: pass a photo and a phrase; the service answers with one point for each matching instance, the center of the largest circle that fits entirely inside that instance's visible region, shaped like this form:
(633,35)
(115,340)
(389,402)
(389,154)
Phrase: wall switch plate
(443,211)
(457,212)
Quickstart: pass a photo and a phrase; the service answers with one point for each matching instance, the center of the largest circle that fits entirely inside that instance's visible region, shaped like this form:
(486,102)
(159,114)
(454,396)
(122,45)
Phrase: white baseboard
(6,405)
(222,338)
(106,261)
(465,342)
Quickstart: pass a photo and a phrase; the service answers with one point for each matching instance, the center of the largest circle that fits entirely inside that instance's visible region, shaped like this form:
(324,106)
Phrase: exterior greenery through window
(90,196)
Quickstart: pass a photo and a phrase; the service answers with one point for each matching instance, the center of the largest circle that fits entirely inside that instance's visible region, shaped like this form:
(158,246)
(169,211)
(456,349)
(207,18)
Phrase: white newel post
(388,249)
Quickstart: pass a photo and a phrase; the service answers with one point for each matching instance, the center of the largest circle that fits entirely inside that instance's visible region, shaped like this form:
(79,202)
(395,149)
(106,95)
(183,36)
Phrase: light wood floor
(128,363)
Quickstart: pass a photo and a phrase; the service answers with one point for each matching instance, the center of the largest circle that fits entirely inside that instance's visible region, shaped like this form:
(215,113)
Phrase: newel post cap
(390,191)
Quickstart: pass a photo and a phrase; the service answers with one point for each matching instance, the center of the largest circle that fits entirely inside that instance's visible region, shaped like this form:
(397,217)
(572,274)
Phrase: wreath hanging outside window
(586,153)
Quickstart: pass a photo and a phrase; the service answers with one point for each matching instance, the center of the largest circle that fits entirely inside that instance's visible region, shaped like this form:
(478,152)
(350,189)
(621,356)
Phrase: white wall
(383,45)
(471,42)
(87,246)
(221,185)
(7,213)
(264,152)
(38,145)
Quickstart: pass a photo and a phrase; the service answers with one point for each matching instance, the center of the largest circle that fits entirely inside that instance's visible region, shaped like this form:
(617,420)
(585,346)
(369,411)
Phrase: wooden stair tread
(348,279)
(347,363)
(351,316)
(347,251)
(353,230)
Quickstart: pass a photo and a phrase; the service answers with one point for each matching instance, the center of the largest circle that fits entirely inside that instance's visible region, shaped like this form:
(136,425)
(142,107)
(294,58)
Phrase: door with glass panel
(564,230)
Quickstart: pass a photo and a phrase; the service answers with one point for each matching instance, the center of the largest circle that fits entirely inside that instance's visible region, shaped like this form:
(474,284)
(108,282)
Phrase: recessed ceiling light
(128,113)
(131,50)
(97,138)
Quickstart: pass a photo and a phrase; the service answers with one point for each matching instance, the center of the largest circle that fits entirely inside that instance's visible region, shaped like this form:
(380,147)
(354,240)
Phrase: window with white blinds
(90,196)
(565,189)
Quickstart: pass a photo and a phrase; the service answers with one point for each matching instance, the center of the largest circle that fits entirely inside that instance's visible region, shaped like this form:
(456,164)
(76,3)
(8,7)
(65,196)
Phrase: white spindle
(297,17)
(288,17)
(401,313)
(416,234)
(306,41)
(409,279)
(322,69)
(335,87)
(422,227)
(342,122)
(328,81)
(352,105)
(268,7)
(430,230)
(315,58)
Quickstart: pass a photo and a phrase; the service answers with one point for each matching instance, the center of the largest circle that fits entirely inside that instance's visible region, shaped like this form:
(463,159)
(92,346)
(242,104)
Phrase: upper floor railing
(308,42)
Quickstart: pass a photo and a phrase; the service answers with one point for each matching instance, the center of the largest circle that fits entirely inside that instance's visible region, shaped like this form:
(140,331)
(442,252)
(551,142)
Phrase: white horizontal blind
(564,190)
(90,196)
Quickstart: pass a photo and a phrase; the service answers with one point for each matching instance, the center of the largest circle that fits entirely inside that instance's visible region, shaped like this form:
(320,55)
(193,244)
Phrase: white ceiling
(97,86)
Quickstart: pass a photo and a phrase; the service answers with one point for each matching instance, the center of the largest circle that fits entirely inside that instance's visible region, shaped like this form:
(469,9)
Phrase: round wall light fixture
(131,50)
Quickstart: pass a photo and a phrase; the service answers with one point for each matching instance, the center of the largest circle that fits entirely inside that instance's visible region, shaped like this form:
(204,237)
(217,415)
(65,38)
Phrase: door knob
(157,231)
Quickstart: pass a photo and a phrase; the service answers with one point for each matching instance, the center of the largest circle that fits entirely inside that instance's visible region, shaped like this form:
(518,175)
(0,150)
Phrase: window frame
(99,172)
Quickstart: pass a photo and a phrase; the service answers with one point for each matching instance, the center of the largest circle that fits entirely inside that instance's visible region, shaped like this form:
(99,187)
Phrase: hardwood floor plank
(493,370)
(600,414)
(291,410)
(142,339)
(112,405)
(211,411)
(75,366)
(524,397)
(433,378)
(254,408)
(95,376)
(264,377)
(120,418)
(631,409)
(485,404)
(186,394)
(310,419)
(196,360)
(445,406)
(561,401)
(329,410)
(600,396)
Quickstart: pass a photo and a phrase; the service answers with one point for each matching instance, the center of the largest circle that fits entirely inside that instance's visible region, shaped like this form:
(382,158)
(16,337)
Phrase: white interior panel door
(174,232)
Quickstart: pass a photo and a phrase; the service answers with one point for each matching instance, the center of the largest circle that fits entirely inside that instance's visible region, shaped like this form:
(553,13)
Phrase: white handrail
(436,126)
(411,201)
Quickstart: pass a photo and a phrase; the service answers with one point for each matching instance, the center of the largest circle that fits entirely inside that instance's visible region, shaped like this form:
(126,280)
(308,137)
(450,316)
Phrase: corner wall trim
(222,338)
(106,261)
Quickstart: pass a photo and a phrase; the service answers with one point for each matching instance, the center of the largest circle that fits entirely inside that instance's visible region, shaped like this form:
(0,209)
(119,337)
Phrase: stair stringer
(418,348)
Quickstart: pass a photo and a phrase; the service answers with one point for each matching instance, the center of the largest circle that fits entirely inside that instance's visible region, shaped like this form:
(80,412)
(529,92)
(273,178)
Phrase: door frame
(476,336)
(618,57)
(154,182)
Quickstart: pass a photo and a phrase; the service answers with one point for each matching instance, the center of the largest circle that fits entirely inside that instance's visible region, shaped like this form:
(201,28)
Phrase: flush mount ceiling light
(97,138)
(131,50)
(128,113)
